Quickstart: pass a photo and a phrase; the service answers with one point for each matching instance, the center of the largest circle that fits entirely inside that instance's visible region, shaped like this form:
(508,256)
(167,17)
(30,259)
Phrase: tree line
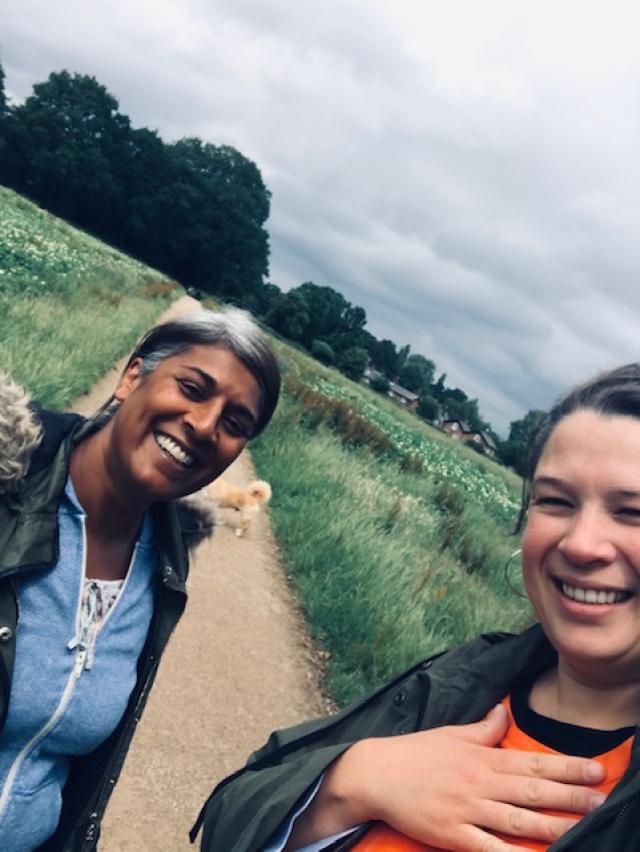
(194,210)
(197,211)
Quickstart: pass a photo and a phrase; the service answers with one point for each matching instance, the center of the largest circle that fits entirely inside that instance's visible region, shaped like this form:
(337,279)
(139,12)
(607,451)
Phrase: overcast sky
(468,172)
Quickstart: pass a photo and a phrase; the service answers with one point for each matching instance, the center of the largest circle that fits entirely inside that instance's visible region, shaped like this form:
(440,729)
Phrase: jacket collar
(472,679)
(30,534)
(174,560)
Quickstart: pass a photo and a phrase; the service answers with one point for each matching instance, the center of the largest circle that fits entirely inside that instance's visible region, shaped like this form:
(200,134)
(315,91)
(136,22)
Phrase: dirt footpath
(238,665)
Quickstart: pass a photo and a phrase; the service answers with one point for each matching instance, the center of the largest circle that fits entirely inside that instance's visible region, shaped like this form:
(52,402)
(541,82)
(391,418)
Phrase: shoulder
(195,519)
(54,426)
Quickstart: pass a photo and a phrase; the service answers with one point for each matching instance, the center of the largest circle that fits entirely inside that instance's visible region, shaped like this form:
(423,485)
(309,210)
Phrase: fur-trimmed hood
(20,433)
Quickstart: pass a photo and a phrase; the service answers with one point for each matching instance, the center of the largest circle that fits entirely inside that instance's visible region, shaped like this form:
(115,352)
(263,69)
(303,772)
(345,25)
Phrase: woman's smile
(174,450)
(592,596)
(588,602)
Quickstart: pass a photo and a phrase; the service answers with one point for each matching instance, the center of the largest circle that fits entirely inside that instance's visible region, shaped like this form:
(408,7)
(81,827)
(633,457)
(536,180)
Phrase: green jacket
(245,811)
(28,542)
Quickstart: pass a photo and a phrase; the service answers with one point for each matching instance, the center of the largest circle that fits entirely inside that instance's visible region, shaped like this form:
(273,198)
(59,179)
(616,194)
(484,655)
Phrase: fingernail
(593,772)
(596,800)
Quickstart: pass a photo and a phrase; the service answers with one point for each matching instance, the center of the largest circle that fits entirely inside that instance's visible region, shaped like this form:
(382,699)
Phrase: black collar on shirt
(561,736)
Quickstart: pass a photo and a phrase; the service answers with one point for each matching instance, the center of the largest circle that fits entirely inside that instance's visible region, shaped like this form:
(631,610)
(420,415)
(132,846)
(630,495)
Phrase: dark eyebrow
(548,480)
(627,493)
(209,381)
(211,384)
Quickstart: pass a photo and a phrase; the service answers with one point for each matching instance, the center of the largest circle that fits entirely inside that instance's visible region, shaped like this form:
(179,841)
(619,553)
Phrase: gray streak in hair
(232,328)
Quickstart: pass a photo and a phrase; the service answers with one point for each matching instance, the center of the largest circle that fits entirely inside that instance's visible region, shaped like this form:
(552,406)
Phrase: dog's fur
(20,434)
(246,502)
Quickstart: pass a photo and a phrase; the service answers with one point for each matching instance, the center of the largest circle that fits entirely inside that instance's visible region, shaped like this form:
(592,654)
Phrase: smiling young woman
(508,742)
(94,563)
(581,564)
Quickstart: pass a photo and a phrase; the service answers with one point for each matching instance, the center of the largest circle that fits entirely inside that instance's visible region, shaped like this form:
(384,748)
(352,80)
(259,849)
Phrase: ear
(129,380)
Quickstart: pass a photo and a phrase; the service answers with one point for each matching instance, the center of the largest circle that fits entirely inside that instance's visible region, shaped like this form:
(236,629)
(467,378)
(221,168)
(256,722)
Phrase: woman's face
(581,546)
(179,427)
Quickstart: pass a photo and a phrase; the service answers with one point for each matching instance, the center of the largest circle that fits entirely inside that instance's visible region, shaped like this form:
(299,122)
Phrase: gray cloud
(465,173)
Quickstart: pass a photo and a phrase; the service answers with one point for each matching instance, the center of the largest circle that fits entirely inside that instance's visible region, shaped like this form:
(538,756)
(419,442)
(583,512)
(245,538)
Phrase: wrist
(347,784)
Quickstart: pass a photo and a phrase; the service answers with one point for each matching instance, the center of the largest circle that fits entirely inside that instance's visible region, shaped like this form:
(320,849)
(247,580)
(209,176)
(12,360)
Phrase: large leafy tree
(428,408)
(5,116)
(145,172)
(523,430)
(417,374)
(217,241)
(289,315)
(384,357)
(513,451)
(352,362)
(3,98)
(332,319)
(74,135)
(327,309)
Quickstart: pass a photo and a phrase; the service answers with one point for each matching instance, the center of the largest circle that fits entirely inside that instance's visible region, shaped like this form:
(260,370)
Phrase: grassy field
(395,537)
(396,543)
(69,304)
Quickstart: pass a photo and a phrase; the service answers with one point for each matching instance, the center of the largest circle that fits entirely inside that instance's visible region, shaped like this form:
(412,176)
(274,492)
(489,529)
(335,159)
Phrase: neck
(112,512)
(570,695)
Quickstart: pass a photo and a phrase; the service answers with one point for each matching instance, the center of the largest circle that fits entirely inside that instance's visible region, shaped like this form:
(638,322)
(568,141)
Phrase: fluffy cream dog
(246,502)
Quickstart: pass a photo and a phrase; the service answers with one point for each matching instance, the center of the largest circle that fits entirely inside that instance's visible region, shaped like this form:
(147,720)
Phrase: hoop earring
(508,578)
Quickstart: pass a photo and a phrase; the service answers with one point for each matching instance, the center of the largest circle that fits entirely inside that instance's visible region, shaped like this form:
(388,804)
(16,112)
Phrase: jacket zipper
(67,693)
(46,728)
(91,816)
(624,808)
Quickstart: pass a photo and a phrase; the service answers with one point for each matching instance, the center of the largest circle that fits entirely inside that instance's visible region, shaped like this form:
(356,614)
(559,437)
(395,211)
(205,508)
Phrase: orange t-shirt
(383,838)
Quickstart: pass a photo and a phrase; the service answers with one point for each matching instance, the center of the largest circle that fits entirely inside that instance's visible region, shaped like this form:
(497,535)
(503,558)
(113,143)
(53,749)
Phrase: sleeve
(250,809)
(279,842)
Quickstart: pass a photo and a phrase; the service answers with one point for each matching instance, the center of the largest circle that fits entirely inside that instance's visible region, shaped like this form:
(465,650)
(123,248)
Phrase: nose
(201,421)
(587,540)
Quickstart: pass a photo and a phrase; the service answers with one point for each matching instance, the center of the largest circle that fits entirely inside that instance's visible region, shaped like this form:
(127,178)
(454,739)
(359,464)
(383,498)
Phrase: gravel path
(239,665)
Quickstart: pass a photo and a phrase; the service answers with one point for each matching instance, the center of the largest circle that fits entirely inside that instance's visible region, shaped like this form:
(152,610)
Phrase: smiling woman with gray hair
(93,561)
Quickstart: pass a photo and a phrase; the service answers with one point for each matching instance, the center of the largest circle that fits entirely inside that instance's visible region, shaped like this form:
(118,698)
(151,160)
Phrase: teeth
(174,450)
(592,596)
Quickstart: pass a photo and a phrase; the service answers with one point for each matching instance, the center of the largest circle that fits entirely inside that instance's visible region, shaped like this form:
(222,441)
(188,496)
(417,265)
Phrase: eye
(629,512)
(191,389)
(238,426)
(552,502)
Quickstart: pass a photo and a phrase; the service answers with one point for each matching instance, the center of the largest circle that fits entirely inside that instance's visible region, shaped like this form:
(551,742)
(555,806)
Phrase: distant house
(370,374)
(461,431)
(482,439)
(403,396)
(456,428)
(396,392)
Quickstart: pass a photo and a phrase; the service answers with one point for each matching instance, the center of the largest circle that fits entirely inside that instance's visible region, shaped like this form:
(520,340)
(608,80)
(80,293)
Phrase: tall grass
(376,554)
(69,305)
